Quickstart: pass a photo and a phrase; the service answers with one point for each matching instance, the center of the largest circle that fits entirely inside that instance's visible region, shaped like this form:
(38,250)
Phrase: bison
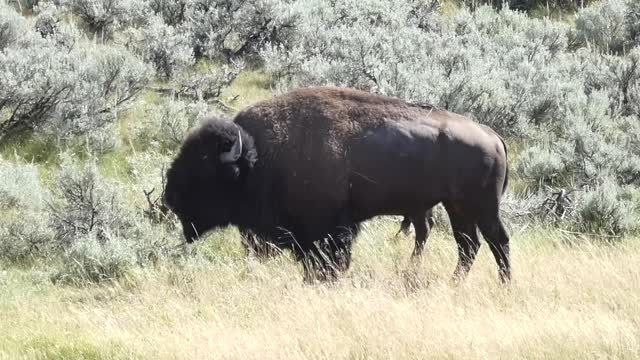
(304,169)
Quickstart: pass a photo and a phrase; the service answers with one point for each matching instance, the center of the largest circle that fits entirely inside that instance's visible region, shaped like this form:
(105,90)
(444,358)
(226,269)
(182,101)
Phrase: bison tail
(506,179)
(506,165)
(506,162)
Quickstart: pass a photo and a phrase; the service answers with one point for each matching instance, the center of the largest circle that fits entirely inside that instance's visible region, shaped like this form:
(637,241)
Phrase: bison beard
(301,171)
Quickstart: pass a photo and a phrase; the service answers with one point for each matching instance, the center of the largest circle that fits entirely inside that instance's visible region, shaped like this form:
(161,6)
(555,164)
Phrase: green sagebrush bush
(172,12)
(608,209)
(20,186)
(236,28)
(93,259)
(86,203)
(24,5)
(164,125)
(632,22)
(12,26)
(89,260)
(619,76)
(195,94)
(542,164)
(531,5)
(48,18)
(167,48)
(101,18)
(84,227)
(62,86)
(102,235)
(25,235)
(591,143)
(24,230)
(604,25)
(215,29)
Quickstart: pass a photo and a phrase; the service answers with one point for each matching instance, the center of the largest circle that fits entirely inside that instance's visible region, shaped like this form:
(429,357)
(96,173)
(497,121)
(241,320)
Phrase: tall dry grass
(567,301)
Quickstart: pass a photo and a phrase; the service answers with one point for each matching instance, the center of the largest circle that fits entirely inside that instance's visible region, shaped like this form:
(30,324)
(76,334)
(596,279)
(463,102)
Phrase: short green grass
(248,88)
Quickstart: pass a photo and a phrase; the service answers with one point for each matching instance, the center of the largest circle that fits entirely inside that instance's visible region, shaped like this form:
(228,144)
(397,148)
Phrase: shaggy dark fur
(316,162)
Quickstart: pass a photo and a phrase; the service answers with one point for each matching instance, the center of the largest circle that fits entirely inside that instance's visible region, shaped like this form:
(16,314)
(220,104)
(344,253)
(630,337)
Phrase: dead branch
(156,209)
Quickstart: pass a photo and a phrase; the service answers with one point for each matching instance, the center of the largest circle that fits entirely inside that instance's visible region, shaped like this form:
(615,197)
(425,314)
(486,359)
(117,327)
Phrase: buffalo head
(206,180)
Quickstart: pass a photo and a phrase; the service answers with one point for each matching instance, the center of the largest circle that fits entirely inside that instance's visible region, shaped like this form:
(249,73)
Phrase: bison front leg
(258,247)
(330,256)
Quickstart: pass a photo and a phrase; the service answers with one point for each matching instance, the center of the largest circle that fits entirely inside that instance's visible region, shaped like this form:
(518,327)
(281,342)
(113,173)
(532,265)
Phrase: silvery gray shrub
(88,260)
(61,85)
(86,203)
(24,229)
(169,49)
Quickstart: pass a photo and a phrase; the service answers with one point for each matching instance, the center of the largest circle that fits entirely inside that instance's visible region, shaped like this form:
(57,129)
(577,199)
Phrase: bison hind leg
(404,226)
(496,236)
(465,232)
(422,228)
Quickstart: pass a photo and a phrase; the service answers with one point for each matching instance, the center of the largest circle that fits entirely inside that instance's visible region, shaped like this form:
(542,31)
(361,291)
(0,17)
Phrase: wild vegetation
(96,96)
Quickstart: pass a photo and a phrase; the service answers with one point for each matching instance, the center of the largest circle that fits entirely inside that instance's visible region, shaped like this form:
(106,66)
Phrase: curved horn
(234,154)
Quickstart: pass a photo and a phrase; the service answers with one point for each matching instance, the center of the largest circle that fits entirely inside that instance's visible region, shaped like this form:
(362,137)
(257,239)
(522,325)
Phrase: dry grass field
(569,300)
